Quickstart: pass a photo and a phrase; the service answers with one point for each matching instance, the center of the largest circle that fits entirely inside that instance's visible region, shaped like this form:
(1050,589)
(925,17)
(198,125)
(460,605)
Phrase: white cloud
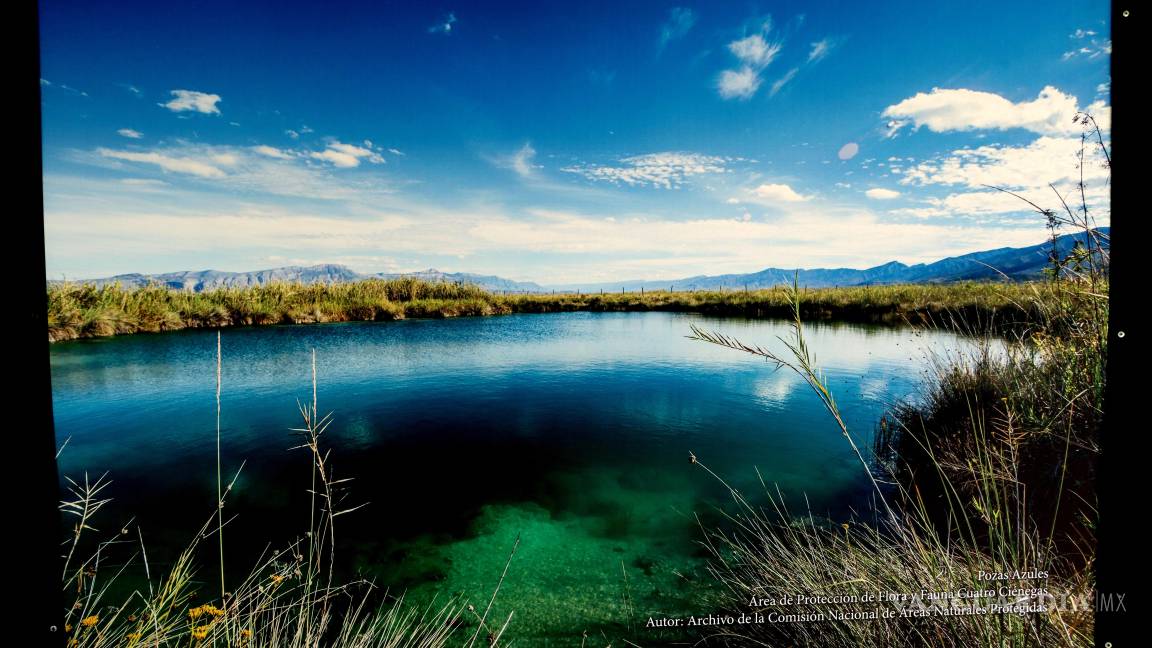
(125,228)
(1037,171)
(49,84)
(982,203)
(336,158)
(291,133)
(521,161)
(130,133)
(1046,160)
(882,194)
(144,182)
(1088,45)
(944,110)
(346,155)
(754,50)
(184,165)
(919,212)
(775,193)
(738,84)
(665,170)
(191,100)
(680,21)
(395,151)
(754,53)
(782,81)
(444,26)
(804,238)
(249,170)
(819,50)
(272,152)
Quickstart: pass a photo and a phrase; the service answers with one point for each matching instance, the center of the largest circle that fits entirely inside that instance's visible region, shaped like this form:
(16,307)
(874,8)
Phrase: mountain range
(1002,263)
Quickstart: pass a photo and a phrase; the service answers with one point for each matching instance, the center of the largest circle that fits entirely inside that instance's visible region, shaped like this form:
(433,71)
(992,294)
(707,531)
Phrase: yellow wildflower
(205,610)
(199,632)
(90,621)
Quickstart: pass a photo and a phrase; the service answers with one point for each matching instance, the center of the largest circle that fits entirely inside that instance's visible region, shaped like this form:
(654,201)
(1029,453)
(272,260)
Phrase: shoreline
(82,311)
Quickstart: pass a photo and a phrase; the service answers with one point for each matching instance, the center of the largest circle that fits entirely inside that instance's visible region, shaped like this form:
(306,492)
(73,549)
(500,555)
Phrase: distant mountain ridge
(1013,263)
(328,273)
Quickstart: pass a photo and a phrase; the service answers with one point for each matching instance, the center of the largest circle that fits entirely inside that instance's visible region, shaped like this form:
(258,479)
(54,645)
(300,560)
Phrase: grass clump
(85,310)
(982,529)
(971,481)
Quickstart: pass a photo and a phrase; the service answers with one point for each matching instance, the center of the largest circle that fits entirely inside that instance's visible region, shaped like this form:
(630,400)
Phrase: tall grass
(84,310)
(992,470)
(970,480)
(288,599)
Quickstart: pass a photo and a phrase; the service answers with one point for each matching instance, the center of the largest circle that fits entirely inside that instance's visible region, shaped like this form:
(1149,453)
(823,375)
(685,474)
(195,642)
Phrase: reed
(991,471)
(290,598)
(84,310)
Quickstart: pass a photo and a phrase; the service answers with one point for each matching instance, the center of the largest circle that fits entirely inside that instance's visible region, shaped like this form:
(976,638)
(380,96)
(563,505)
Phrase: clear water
(569,430)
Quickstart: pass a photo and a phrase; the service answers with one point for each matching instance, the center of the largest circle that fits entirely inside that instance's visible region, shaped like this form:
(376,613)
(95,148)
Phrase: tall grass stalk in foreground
(981,520)
(802,363)
(219,469)
(288,598)
(992,471)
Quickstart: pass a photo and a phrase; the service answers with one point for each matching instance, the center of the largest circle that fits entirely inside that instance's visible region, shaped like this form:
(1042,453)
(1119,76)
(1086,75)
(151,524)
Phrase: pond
(571,431)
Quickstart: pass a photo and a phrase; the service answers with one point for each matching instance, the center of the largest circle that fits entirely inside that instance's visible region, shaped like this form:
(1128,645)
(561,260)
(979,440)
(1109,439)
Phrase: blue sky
(572,142)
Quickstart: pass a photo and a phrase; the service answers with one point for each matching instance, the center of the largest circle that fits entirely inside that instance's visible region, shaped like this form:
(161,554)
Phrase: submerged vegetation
(84,310)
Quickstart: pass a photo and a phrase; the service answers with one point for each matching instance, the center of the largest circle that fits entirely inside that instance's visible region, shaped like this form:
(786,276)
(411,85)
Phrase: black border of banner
(30,440)
(1119,483)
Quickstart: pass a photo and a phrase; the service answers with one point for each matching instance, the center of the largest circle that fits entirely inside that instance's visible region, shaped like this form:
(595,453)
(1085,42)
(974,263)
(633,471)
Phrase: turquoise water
(569,430)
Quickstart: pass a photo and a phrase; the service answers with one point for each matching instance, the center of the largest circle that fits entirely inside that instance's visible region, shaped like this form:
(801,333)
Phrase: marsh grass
(78,310)
(84,310)
(990,472)
(289,598)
